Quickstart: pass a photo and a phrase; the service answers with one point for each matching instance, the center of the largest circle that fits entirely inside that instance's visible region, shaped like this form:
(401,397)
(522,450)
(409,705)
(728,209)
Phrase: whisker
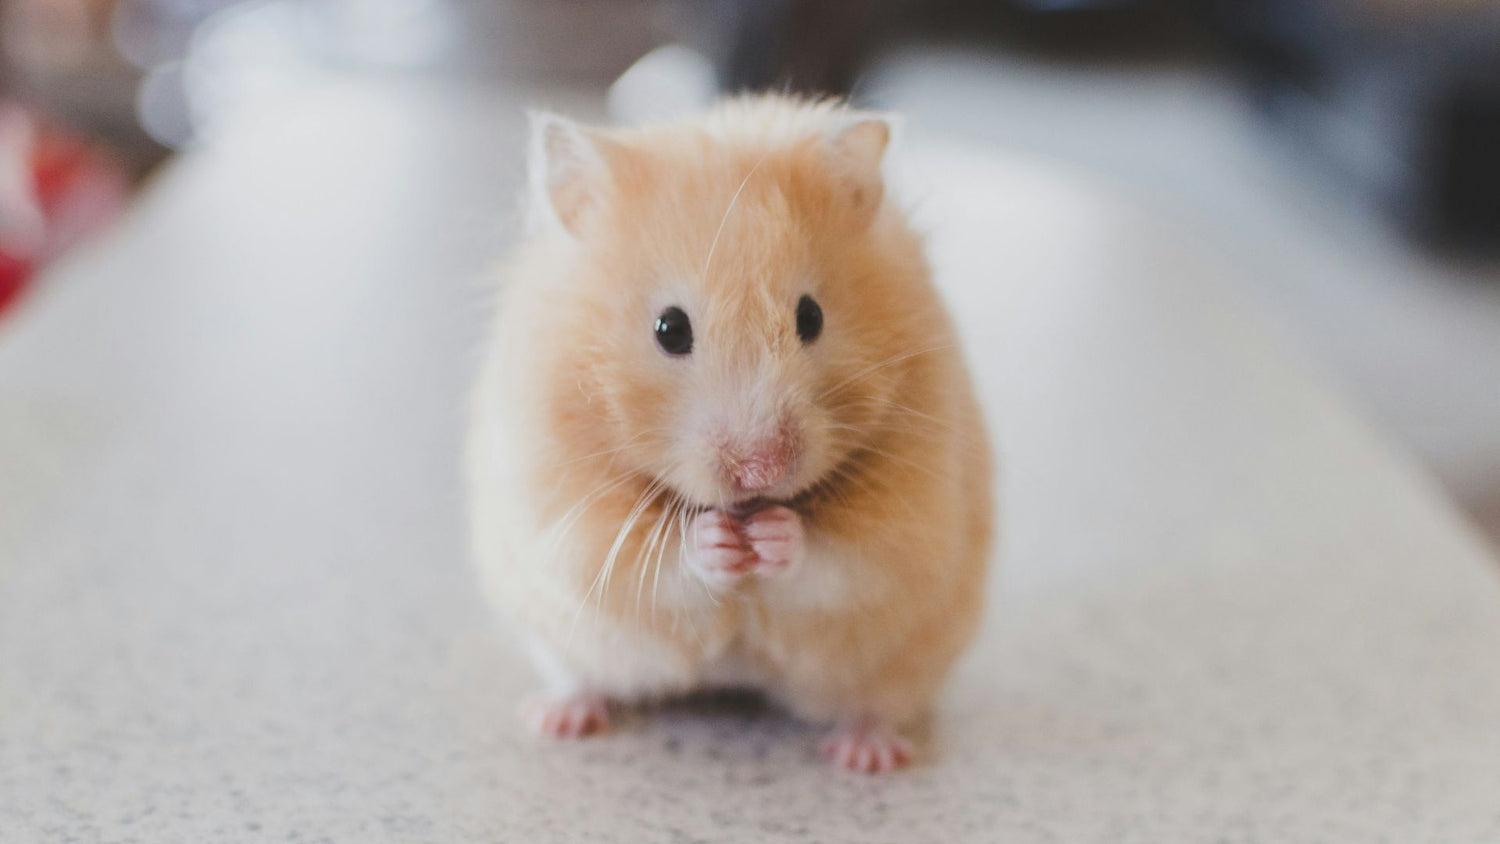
(874,401)
(683,552)
(733,200)
(608,451)
(570,519)
(677,505)
(653,538)
(602,576)
(623,535)
(902,459)
(875,367)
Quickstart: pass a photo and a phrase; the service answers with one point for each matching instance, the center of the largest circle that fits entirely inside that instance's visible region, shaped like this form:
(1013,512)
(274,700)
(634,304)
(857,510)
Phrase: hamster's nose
(759,471)
(762,464)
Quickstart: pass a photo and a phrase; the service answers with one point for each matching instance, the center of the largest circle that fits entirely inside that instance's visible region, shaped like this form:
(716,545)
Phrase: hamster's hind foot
(866,746)
(567,717)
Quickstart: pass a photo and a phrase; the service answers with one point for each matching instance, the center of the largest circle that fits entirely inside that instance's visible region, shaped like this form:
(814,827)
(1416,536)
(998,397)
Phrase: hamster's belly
(732,669)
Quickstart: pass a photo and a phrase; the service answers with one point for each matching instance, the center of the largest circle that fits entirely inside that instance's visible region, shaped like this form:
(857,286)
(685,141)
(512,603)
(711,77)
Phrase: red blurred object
(55,189)
(13,275)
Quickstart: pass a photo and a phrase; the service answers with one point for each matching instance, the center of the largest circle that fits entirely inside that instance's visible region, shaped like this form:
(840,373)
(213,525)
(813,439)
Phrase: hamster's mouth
(741,509)
(741,503)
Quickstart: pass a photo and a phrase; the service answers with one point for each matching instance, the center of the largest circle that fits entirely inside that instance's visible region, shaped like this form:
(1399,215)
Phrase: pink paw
(574,716)
(725,547)
(716,549)
(775,536)
(867,749)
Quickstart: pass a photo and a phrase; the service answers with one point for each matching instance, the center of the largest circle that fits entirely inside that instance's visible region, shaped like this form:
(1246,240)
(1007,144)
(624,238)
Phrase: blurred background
(1344,154)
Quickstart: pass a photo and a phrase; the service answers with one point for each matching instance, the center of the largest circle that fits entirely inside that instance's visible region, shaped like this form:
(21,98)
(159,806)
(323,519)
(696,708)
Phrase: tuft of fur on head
(562,152)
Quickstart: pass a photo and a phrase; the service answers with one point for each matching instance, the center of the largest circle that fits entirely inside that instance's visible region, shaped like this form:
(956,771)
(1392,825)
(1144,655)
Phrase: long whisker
(902,459)
(608,451)
(622,536)
(677,505)
(571,518)
(602,576)
(682,531)
(733,200)
(654,538)
(875,367)
(879,402)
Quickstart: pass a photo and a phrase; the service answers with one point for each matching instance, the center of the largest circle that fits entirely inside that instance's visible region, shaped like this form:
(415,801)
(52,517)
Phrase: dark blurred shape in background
(1342,151)
(1400,97)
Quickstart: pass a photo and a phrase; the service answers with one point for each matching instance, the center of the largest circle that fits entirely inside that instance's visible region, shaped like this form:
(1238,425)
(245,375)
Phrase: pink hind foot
(866,747)
(574,716)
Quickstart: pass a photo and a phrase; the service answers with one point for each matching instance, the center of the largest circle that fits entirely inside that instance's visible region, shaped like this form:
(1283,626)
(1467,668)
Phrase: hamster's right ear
(567,171)
(857,149)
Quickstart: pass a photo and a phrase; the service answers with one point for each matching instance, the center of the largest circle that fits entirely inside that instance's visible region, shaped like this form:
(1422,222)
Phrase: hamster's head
(741,305)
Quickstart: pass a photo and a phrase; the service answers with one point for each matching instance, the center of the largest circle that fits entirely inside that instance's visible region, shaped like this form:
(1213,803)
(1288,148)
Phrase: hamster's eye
(673,332)
(809,319)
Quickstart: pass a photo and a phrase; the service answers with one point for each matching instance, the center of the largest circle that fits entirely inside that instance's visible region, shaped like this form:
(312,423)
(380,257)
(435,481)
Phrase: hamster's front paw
(716,551)
(775,536)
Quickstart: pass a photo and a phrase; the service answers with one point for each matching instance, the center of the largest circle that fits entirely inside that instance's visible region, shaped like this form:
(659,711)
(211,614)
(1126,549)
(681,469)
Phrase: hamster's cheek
(685,466)
(825,442)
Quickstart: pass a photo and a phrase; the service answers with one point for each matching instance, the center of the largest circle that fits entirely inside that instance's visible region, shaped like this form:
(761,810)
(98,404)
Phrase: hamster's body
(801,500)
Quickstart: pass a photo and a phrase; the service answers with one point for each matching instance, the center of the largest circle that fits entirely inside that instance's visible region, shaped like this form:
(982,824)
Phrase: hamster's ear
(567,171)
(857,149)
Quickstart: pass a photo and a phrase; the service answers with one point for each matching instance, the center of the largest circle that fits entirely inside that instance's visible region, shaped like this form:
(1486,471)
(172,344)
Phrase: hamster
(724,433)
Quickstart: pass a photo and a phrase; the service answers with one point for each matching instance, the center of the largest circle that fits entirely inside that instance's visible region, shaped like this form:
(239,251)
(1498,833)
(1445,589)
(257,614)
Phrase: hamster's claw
(866,749)
(574,716)
(775,535)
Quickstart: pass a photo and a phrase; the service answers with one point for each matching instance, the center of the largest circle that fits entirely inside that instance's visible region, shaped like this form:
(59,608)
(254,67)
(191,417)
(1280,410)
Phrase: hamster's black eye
(809,319)
(673,332)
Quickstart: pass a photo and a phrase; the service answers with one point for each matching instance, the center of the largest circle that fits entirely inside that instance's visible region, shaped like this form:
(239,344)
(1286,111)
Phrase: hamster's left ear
(857,149)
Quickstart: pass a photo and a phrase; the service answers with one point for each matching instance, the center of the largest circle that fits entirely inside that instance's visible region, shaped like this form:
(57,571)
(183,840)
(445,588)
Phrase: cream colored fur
(590,450)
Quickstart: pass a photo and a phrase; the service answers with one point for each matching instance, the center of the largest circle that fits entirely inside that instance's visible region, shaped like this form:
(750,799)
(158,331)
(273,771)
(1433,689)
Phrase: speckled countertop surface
(234,602)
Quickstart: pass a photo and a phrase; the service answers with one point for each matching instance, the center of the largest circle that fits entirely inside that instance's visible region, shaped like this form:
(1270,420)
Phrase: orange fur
(580,423)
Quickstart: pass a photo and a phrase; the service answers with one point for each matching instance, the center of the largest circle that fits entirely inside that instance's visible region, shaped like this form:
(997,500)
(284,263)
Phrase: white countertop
(235,603)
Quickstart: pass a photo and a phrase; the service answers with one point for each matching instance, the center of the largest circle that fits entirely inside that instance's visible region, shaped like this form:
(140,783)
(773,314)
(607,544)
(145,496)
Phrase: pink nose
(761,465)
(761,470)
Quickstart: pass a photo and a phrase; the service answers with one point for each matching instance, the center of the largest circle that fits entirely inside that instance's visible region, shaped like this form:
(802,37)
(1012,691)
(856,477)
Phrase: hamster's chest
(773,609)
(828,579)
